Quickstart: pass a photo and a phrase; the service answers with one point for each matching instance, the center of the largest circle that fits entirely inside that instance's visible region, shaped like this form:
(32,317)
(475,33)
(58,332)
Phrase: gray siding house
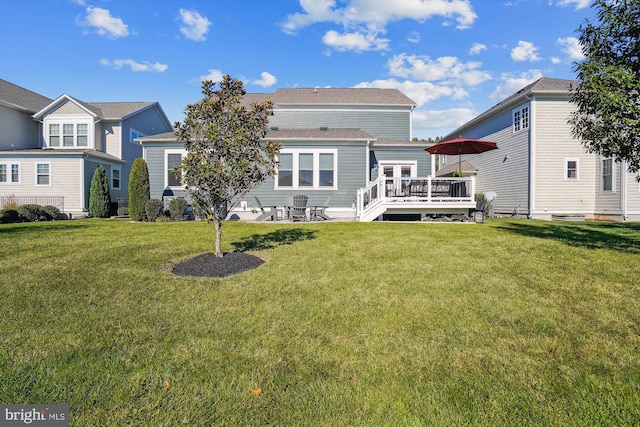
(352,145)
(540,170)
(49,149)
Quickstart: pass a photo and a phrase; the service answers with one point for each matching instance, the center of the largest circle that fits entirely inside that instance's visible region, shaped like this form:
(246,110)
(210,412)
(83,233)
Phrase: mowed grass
(511,322)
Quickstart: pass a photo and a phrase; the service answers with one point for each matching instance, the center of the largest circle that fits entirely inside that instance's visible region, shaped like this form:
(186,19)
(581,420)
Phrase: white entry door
(395,186)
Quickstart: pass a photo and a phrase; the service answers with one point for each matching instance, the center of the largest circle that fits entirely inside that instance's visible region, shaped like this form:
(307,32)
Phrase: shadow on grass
(285,236)
(40,226)
(623,237)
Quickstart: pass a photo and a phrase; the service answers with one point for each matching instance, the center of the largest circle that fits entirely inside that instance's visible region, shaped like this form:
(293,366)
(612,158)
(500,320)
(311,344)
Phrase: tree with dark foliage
(607,96)
(226,155)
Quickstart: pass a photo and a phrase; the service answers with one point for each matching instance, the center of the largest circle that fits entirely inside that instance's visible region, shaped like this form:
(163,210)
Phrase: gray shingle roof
(118,110)
(22,98)
(341,96)
(52,152)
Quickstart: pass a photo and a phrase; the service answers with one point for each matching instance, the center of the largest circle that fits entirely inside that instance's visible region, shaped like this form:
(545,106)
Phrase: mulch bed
(209,265)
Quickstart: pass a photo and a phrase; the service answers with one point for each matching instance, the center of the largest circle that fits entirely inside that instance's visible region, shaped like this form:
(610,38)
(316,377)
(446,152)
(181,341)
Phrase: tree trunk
(219,238)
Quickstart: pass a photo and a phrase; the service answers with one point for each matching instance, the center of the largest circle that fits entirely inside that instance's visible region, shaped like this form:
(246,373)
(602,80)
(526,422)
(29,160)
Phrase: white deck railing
(429,192)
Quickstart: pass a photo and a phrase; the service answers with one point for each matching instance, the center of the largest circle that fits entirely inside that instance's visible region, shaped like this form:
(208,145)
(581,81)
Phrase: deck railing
(57,201)
(429,191)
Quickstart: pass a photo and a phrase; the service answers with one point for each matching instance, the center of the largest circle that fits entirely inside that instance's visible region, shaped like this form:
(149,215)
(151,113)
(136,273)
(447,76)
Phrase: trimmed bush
(51,212)
(99,197)
(139,189)
(178,209)
(31,212)
(8,216)
(154,209)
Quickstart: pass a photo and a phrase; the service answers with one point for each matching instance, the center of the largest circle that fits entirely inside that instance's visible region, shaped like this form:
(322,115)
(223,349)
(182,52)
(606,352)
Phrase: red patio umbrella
(461,146)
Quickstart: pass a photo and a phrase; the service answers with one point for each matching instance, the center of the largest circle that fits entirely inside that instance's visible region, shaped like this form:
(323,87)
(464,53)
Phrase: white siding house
(49,149)
(540,170)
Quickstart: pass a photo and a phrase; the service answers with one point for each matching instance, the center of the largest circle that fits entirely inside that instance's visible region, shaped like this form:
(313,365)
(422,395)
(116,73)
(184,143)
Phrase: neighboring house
(49,149)
(540,170)
(353,145)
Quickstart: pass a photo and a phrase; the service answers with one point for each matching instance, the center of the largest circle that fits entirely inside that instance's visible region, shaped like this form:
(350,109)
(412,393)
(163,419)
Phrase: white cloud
(136,67)
(104,24)
(571,47)
(372,16)
(267,79)
(447,69)
(444,120)
(414,37)
(355,41)
(194,26)
(556,60)
(511,84)
(579,4)
(525,51)
(214,75)
(420,92)
(477,48)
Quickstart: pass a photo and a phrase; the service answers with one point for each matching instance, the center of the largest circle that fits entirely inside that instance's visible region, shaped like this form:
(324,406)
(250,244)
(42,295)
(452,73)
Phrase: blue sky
(455,58)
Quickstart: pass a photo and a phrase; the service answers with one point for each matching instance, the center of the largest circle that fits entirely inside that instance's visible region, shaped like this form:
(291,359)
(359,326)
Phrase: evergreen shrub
(8,216)
(178,209)
(154,209)
(139,189)
(31,212)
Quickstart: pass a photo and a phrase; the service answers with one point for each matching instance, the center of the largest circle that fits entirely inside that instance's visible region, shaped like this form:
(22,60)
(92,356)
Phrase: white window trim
(35,182)
(75,121)
(316,168)
(613,175)
(566,168)
(119,169)
(166,166)
(398,163)
(8,164)
(521,122)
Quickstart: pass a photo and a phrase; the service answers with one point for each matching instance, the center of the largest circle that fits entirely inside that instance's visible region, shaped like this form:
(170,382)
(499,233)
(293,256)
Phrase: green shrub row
(29,213)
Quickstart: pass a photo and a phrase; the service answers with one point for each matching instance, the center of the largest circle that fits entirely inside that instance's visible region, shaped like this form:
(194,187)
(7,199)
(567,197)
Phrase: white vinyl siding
(554,146)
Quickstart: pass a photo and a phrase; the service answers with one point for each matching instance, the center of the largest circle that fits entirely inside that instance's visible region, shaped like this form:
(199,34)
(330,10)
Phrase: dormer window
(67,135)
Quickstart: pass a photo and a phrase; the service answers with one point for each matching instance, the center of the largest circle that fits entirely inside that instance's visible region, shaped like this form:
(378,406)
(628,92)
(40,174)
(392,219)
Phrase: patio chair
(298,210)
(268,212)
(317,212)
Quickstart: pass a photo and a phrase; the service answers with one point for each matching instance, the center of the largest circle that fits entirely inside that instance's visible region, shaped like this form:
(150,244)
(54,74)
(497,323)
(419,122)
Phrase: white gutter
(623,190)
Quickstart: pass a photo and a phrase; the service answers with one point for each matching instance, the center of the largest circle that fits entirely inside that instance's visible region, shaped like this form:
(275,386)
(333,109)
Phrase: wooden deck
(417,195)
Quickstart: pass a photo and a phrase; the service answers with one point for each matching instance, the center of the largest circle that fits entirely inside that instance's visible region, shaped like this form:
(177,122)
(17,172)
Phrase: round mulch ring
(209,265)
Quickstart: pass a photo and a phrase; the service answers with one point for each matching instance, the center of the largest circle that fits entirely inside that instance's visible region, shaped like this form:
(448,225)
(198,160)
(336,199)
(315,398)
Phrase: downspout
(532,157)
(82,186)
(623,190)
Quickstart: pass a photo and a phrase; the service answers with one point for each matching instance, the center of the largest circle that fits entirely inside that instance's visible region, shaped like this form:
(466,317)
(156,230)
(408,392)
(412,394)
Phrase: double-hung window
(520,119)
(43,174)
(10,173)
(115,178)
(172,177)
(607,175)
(302,168)
(570,169)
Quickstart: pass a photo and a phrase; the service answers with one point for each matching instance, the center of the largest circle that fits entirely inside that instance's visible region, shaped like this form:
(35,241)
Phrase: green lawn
(511,322)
